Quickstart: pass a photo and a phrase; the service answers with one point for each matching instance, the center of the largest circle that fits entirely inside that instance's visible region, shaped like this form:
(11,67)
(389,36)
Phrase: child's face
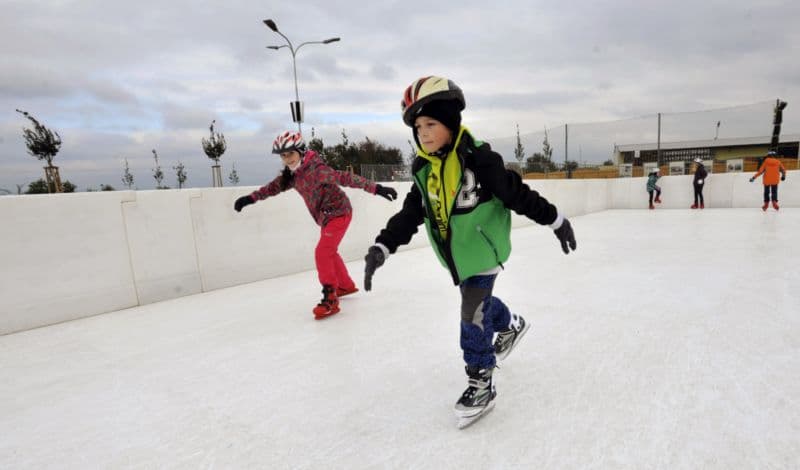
(432,134)
(290,158)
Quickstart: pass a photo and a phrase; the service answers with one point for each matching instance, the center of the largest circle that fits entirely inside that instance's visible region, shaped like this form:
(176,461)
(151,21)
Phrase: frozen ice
(670,339)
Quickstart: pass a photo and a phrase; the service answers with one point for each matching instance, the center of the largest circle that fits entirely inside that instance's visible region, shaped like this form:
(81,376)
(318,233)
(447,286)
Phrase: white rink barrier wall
(70,256)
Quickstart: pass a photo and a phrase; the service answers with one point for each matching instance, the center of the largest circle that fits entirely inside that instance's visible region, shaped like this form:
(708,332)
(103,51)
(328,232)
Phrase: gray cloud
(117,79)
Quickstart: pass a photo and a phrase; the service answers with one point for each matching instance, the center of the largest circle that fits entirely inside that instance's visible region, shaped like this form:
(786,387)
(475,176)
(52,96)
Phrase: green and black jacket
(478,227)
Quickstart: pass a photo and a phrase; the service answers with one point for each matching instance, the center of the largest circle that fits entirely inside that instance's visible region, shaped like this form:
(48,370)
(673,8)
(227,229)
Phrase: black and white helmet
(428,89)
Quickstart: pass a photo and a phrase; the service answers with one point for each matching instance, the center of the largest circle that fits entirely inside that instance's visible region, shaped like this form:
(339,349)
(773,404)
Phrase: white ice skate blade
(505,353)
(467,417)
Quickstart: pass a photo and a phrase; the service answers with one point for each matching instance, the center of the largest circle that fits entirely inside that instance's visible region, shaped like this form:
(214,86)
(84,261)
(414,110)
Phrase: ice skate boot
(341,292)
(478,398)
(329,304)
(764,207)
(652,206)
(693,206)
(658,200)
(775,205)
(702,205)
(508,339)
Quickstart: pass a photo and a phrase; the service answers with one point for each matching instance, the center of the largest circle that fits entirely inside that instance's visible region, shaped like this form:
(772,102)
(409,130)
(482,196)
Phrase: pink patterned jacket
(318,184)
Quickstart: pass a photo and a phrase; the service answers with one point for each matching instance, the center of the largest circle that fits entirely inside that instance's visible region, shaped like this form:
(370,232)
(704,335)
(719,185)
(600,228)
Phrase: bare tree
(233,177)
(547,150)
(127,177)
(519,153)
(158,175)
(180,173)
(43,144)
(519,150)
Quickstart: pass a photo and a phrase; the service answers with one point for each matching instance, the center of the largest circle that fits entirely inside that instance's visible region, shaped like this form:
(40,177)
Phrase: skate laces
(479,379)
(505,339)
(475,388)
(474,385)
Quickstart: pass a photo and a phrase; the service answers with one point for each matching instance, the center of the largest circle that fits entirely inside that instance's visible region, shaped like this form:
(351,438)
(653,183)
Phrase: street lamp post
(296,106)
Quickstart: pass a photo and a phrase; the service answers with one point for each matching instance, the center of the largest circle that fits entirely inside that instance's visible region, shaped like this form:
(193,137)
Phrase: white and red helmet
(288,141)
(425,90)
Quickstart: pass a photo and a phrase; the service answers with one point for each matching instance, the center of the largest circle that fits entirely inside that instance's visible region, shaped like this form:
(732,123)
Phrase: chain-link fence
(386,172)
(729,139)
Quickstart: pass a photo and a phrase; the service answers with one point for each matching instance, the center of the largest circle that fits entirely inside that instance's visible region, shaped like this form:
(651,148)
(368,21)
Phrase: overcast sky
(117,79)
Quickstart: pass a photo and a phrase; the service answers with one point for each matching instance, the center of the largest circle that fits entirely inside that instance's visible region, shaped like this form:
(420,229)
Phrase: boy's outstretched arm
(564,233)
(399,230)
(376,255)
(508,186)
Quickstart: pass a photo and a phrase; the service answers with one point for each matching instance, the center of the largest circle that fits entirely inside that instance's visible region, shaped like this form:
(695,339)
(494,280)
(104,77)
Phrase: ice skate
(764,207)
(658,200)
(652,206)
(702,205)
(329,304)
(341,292)
(775,205)
(477,399)
(508,339)
(693,206)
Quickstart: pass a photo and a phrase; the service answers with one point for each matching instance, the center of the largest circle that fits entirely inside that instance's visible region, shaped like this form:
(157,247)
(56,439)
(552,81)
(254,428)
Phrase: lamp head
(271,25)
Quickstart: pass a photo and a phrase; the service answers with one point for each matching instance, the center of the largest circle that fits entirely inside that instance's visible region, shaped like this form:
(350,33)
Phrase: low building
(716,150)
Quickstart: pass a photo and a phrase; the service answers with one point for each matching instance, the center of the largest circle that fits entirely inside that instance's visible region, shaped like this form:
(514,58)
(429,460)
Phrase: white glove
(699,181)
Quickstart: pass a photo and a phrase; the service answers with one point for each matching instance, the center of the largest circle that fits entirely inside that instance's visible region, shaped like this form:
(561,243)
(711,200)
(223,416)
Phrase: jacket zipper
(444,245)
(491,245)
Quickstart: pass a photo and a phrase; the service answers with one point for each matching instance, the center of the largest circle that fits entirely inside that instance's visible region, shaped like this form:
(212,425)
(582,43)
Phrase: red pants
(330,267)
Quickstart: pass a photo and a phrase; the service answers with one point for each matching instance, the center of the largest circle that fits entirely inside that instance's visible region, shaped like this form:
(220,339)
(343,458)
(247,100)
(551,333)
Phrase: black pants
(658,194)
(774,189)
(698,194)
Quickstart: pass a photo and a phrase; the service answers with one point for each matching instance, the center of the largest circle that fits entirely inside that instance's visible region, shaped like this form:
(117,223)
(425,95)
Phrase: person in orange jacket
(771,168)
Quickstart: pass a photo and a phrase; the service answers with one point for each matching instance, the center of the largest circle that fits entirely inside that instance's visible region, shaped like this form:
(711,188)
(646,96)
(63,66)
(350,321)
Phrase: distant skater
(652,187)
(700,175)
(774,173)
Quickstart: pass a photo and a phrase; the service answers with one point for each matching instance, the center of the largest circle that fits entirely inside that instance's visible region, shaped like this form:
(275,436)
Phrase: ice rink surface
(669,340)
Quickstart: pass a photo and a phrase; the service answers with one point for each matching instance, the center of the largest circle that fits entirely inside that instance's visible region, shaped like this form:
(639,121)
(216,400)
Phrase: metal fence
(386,172)
(595,142)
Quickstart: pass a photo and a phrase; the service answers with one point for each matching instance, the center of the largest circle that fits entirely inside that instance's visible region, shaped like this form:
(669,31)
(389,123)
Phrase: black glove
(374,259)
(566,236)
(385,191)
(752,179)
(783,177)
(241,202)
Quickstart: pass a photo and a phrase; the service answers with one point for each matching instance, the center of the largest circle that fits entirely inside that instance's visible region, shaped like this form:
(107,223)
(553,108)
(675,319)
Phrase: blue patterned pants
(481,316)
